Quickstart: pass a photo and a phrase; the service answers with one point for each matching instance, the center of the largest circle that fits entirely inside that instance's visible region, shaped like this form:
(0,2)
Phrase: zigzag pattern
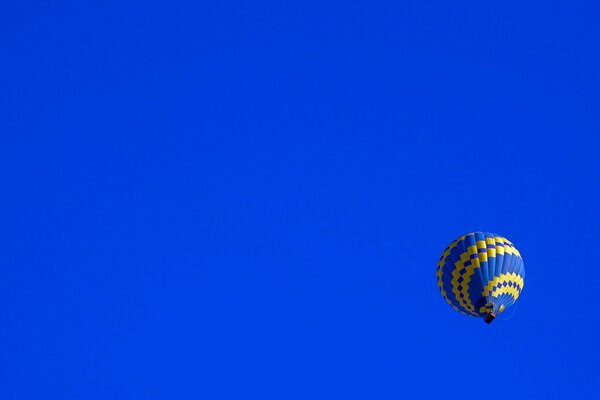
(475,272)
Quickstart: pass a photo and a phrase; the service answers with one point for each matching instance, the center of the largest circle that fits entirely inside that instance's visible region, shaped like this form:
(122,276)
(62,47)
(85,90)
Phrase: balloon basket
(489,317)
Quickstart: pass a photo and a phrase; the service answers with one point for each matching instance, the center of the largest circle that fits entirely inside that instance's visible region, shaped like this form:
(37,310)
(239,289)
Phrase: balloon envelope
(481,274)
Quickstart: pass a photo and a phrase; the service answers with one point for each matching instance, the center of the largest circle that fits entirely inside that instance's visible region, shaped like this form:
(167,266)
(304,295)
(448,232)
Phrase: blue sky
(247,200)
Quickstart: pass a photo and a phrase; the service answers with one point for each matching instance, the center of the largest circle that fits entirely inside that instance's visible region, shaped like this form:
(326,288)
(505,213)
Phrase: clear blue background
(247,200)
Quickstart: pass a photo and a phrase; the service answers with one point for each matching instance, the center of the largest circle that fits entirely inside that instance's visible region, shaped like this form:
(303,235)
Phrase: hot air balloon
(481,274)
